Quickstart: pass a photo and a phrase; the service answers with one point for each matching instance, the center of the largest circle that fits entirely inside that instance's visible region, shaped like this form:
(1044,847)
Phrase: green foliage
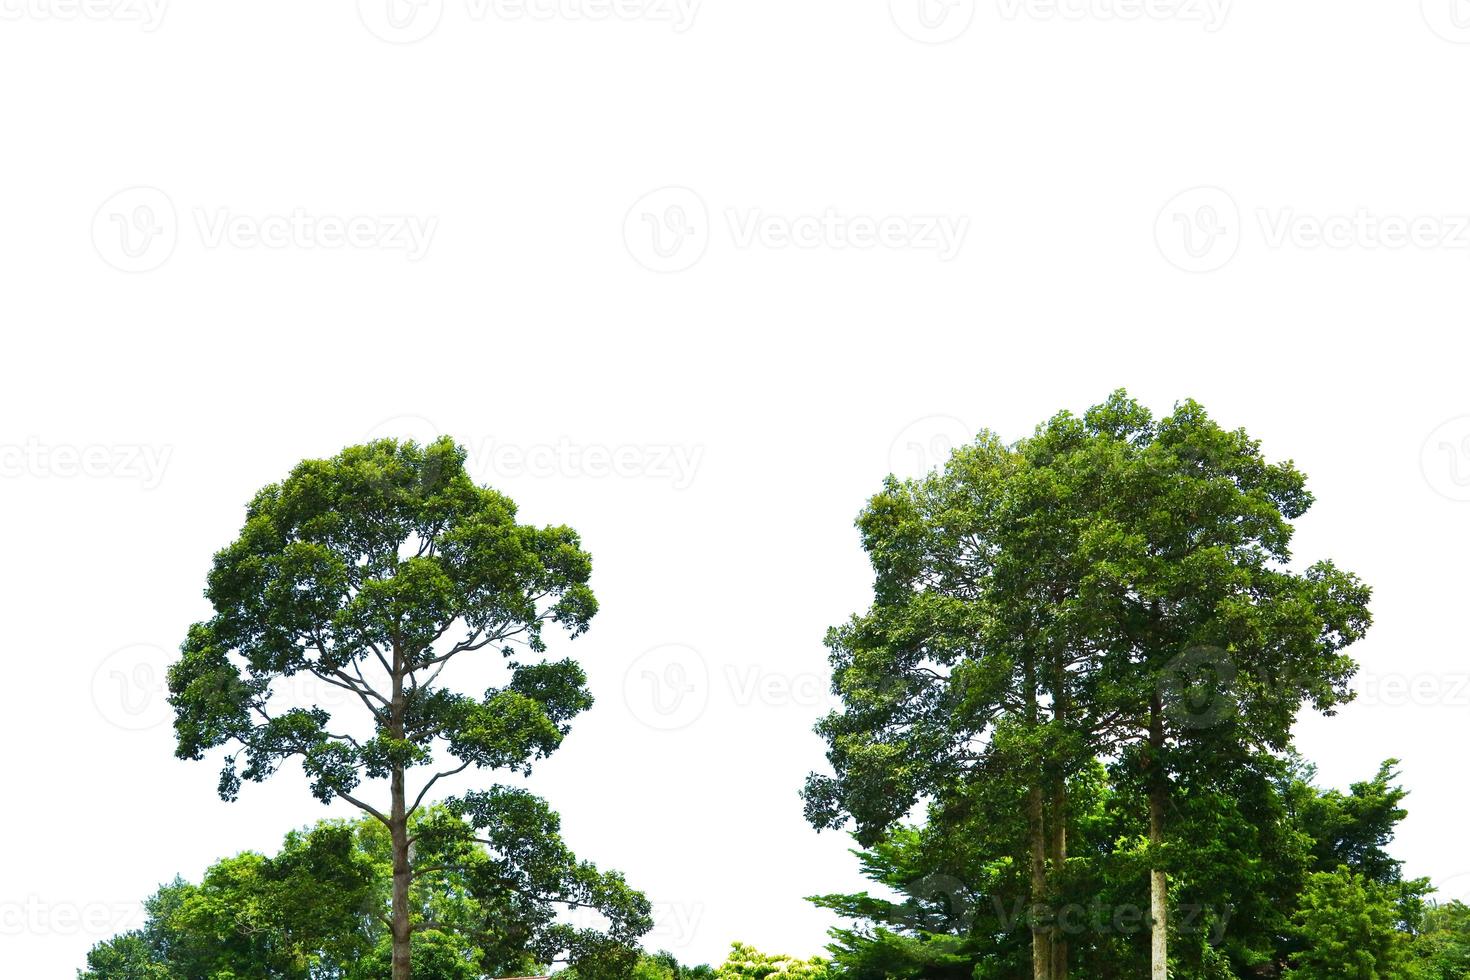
(373,572)
(649,966)
(1269,871)
(318,910)
(385,558)
(286,916)
(1113,587)
(1442,945)
(1348,927)
(748,963)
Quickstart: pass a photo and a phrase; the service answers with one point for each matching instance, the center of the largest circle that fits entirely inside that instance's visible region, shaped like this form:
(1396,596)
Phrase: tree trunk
(1059,950)
(1158,899)
(1057,845)
(1041,938)
(402,876)
(1158,892)
(398,831)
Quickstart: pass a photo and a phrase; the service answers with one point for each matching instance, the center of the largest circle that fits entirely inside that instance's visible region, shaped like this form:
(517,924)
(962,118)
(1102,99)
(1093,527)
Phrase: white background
(542,321)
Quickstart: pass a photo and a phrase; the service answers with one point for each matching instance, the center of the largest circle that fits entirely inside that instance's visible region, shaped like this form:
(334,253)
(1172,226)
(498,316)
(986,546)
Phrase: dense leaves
(1114,588)
(372,573)
(1273,878)
(495,901)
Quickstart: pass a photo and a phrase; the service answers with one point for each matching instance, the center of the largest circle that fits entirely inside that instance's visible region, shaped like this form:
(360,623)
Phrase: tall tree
(964,669)
(374,572)
(1111,586)
(1212,641)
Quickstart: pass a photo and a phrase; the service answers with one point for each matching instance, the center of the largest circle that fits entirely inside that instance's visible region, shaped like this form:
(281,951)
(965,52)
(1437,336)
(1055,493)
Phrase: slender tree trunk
(1057,846)
(1041,938)
(402,877)
(1060,950)
(398,830)
(1158,891)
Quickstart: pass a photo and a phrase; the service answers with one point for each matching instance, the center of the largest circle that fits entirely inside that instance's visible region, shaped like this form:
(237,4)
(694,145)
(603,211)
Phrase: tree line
(1062,746)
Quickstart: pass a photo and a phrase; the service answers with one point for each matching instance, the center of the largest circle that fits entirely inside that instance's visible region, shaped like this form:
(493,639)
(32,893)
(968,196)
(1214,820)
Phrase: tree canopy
(375,572)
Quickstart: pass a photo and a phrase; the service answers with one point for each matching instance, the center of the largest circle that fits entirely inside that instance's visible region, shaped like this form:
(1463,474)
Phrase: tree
(1213,641)
(303,911)
(662,965)
(955,675)
(373,572)
(1111,586)
(1245,844)
(1442,945)
(318,910)
(748,963)
(1349,931)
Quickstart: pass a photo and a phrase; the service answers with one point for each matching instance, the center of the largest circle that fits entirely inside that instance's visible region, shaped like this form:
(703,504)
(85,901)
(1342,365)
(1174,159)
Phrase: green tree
(374,572)
(1442,944)
(1213,641)
(1111,586)
(748,963)
(961,672)
(662,965)
(320,909)
(1349,929)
